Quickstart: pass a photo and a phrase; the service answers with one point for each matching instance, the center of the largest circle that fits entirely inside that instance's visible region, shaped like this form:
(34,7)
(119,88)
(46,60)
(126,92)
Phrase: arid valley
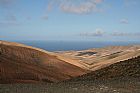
(113,69)
(69,46)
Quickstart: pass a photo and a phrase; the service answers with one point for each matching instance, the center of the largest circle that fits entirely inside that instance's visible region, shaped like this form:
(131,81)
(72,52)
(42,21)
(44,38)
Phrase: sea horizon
(74,45)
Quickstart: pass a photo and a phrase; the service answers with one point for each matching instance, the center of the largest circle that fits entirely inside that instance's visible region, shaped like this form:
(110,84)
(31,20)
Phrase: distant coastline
(75,45)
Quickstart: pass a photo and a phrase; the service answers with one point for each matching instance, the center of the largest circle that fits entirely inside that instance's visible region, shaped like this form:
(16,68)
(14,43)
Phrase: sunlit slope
(20,63)
(96,58)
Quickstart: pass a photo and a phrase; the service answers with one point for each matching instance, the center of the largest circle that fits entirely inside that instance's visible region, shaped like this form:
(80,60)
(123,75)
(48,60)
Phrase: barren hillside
(20,63)
(97,58)
(128,69)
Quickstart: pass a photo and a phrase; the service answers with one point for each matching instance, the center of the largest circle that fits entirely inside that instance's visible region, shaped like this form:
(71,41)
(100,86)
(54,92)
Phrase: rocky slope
(24,64)
(128,69)
(121,77)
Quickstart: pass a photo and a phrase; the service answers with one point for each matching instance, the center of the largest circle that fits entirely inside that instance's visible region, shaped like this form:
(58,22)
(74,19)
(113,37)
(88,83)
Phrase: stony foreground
(124,86)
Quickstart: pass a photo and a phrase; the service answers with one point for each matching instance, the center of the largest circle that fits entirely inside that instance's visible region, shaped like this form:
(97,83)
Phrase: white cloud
(130,2)
(96,33)
(8,23)
(10,17)
(124,34)
(76,6)
(6,3)
(45,17)
(99,33)
(9,20)
(80,9)
(124,21)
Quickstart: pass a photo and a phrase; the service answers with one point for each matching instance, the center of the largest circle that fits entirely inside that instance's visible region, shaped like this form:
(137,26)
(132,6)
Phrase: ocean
(73,45)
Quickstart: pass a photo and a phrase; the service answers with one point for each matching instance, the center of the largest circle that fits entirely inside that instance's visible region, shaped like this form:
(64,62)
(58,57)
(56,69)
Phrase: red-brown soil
(23,64)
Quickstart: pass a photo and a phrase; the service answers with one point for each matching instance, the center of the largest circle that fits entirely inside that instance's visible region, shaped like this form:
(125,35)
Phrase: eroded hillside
(24,64)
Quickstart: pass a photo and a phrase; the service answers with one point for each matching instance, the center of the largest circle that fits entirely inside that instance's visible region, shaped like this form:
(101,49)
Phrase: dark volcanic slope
(121,70)
(23,64)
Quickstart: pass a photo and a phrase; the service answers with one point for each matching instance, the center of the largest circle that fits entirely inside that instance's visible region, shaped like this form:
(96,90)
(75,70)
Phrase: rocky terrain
(128,69)
(121,77)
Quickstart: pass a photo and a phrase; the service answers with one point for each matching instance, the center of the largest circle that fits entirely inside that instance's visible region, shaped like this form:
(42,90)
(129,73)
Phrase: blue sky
(70,20)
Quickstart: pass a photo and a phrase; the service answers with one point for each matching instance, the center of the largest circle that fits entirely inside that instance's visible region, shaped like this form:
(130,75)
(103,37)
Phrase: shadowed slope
(20,63)
(122,70)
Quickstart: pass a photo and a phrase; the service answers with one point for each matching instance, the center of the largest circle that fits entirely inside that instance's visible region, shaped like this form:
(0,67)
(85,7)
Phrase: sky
(70,20)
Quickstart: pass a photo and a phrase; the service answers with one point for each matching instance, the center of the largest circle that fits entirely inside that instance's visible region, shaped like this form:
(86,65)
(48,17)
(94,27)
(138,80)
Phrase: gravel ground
(129,86)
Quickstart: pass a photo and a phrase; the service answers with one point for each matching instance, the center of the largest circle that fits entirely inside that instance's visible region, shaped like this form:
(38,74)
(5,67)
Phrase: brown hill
(97,58)
(128,69)
(89,83)
(24,64)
